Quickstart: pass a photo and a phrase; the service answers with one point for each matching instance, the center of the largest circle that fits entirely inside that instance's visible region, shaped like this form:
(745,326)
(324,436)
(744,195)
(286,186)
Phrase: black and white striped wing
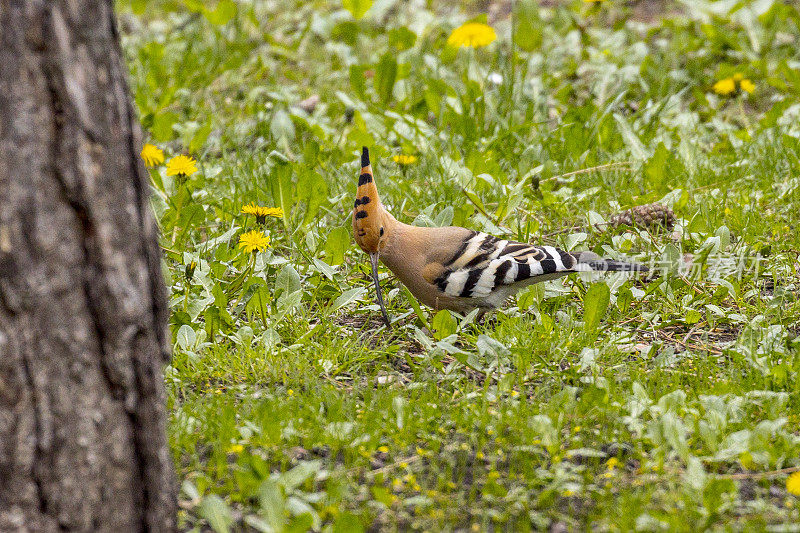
(484,263)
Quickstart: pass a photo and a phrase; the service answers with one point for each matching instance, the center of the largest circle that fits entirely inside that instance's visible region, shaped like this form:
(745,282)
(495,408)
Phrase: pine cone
(645,216)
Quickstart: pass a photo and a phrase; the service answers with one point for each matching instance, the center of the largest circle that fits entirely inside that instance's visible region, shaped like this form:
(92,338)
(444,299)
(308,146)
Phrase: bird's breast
(419,278)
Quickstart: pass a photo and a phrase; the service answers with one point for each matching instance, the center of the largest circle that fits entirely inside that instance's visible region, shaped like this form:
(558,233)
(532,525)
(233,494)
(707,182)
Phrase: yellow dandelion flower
(383,449)
(181,165)
(793,484)
(593,1)
(725,86)
(747,86)
(152,155)
(253,241)
(472,34)
(612,463)
(404,159)
(261,213)
(235,448)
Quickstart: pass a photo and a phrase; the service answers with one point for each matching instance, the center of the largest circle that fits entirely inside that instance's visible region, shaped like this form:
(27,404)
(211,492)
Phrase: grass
(294,408)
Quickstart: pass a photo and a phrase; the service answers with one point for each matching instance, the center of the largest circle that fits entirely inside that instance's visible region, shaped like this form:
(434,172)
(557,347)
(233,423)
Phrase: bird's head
(371,222)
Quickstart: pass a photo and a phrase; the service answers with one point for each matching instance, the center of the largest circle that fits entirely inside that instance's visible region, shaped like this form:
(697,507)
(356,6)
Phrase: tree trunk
(83,310)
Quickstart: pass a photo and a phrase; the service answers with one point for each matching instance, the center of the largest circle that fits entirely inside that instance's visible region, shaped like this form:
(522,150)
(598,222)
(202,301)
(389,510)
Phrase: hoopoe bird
(457,268)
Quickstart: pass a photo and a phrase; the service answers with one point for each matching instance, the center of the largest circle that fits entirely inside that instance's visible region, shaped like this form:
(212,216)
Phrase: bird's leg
(374,260)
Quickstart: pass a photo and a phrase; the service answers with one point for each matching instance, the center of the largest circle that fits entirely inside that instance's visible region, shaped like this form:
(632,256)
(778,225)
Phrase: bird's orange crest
(368,226)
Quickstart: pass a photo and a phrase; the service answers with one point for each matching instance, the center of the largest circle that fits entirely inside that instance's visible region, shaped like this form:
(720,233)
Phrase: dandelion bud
(189,271)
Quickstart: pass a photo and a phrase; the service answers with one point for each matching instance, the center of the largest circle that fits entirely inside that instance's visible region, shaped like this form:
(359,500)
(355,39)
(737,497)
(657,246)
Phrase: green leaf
(693,316)
(399,405)
(259,302)
(281,186)
(194,5)
(288,281)
(462,212)
(301,523)
(357,8)
(336,245)
(217,512)
(162,126)
(327,270)
(660,168)
(637,149)
(191,215)
(222,14)
(594,306)
(724,235)
(695,475)
(190,490)
(444,218)
(348,523)
(385,76)
(624,298)
(670,259)
(475,199)
(357,82)
(346,31)
(212,320)
(220,298)
(271,501)
(573,239)
(444,324)
(348,297)
(282,127)
(299,474)
(715,493)
(402,38)
(186,337)
(416,307)
(200,136)
(490,347)
(137,6)
(530,296)
(528,30)
(313,191)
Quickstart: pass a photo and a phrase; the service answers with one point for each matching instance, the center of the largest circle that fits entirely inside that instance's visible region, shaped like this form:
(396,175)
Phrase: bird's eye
(381,232)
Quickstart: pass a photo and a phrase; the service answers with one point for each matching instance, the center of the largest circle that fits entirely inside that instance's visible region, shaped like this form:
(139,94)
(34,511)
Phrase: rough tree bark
(83,312)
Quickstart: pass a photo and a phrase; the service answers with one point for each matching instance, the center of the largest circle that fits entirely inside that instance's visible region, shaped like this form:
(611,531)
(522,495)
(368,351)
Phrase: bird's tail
(591,261)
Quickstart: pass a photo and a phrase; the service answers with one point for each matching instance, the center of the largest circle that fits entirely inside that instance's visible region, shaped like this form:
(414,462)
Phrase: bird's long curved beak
(373,257)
